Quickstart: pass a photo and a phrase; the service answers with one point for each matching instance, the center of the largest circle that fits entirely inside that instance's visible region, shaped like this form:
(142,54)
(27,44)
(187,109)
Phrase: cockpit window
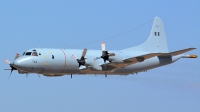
(24,53)
(34,54)
(28,53)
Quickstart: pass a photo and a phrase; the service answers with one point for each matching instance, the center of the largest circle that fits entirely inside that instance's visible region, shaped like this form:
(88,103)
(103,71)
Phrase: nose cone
(21,62)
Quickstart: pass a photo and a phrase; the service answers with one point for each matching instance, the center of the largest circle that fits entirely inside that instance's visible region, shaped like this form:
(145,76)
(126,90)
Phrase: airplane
(151,54)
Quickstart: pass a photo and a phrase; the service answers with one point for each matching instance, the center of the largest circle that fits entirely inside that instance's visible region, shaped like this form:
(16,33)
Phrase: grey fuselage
(58,62)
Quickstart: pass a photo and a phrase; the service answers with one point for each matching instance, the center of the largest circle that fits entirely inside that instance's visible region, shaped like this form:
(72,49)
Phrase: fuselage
(58,62)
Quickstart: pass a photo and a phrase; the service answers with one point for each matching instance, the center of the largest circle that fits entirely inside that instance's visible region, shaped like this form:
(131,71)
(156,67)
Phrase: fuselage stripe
(65,61)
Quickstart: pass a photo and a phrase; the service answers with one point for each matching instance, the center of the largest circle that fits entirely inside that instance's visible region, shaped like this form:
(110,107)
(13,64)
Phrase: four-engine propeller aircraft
(58,62)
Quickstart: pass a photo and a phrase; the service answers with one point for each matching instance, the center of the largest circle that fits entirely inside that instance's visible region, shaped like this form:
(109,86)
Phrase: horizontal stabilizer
(7,69)
(177,52)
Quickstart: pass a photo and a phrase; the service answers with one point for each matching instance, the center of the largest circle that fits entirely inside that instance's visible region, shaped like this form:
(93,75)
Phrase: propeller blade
(105,67)
(73,56)
(84,52)
(7,61)
(10,73)
(103,46)
(16,56)
(104,61)
(79,65)
(111,54)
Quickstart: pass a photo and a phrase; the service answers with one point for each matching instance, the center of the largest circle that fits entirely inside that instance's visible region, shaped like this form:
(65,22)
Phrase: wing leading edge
(177,52)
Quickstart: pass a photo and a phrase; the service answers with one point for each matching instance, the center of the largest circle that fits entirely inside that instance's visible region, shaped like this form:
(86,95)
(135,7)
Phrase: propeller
(81,61)
(105,55)
(11,65)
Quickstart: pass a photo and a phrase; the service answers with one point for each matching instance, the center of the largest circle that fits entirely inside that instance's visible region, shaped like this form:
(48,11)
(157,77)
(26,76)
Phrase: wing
(113,66)
(177,52)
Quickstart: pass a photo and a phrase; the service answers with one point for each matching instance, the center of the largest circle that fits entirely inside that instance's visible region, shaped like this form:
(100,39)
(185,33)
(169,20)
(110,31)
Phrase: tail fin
(157,40)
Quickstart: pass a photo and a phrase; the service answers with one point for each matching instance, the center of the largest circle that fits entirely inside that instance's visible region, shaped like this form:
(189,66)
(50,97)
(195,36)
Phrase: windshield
(30,54)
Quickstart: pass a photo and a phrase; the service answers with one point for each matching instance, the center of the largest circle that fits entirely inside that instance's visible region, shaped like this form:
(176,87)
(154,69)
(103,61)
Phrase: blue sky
(73,24)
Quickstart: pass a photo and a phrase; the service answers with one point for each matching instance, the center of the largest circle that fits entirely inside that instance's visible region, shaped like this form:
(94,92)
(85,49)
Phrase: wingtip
(193,56)
(190,56)
(192,48)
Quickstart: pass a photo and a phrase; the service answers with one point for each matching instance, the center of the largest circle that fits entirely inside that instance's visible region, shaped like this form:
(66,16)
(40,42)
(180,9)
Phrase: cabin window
(52,56)
(24,53)
(28,53)
(155,33)
(34,54)
(158,33)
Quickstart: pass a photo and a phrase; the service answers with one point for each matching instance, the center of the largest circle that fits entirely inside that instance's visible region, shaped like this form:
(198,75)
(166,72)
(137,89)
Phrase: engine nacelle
(97,67)
(94,64)
(116,58)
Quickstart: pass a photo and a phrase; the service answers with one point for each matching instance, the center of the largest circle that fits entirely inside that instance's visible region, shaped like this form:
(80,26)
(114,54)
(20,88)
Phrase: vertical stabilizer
(156,42)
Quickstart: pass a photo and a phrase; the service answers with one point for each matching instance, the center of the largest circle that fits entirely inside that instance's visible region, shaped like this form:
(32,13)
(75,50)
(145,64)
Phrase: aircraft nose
(21,62)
